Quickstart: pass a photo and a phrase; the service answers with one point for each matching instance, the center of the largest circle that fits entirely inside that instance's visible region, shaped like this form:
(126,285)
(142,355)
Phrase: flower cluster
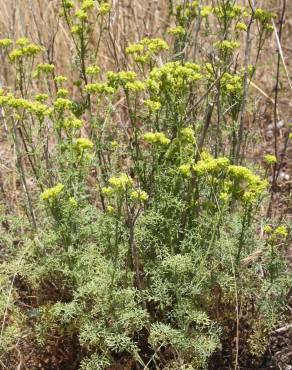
(229,11)
(173,77)
(72,123)
(210,165)
(156,138)
(264,17)
(135,86)
(36,107)
(99,88)
(62,104)
(139,195)
(104,9)
(45,68)
(92,70)
(24,49)
(118,184)
(239,180)
(226,46)
(176,31)
(83,144)
(62,93)
(232,86)
(270,159)
(152,105)
(188,135)
(146,49)
(187,11)
(52,193)
(5,43)
(116,79)
(250,186)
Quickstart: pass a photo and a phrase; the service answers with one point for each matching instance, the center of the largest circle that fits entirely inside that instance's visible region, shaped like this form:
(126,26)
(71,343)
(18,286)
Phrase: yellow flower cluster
(206,10)
(135,86)
(62,104)
(270,159)
(237,179)
(60,79)
(41,97)
(104,9)
(52,193)
(230,11)
(176,31)
(62,93)
(83,143)
(252,185)
(92,70)
(232,85)
(226,46)
(4,43)
(187,11)
(241,26)
(44,68)
(279,232)
(152,105)
(173,77)
(24,49)
(139,195)
(188,135)
(146,49)
(116,79)
(118,184)
(157,138)
(87,4)
(210,165)
(99,88)
(72,123)
(36,107)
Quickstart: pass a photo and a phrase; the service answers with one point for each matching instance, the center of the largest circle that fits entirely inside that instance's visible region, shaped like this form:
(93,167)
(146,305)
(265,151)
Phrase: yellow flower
(270,159)
(281,231)
(139,195)
(185,170)
(176,31)
(84,143)
(104,9)
(52,193)
(156,138)
(121,183)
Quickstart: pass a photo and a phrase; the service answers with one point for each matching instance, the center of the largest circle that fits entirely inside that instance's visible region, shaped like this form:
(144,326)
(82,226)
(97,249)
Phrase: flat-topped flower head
(52,193)
(188,135)
(5,43)
(104,9)
(152,105)
(121,183)
(92,70)
(83,143)
(210,165)
(270,159)
(61,104)
(87,4)
(156,138)
(176,31)
(101,88)
(186,169)
(146,49)
(139,195)
(281,231)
